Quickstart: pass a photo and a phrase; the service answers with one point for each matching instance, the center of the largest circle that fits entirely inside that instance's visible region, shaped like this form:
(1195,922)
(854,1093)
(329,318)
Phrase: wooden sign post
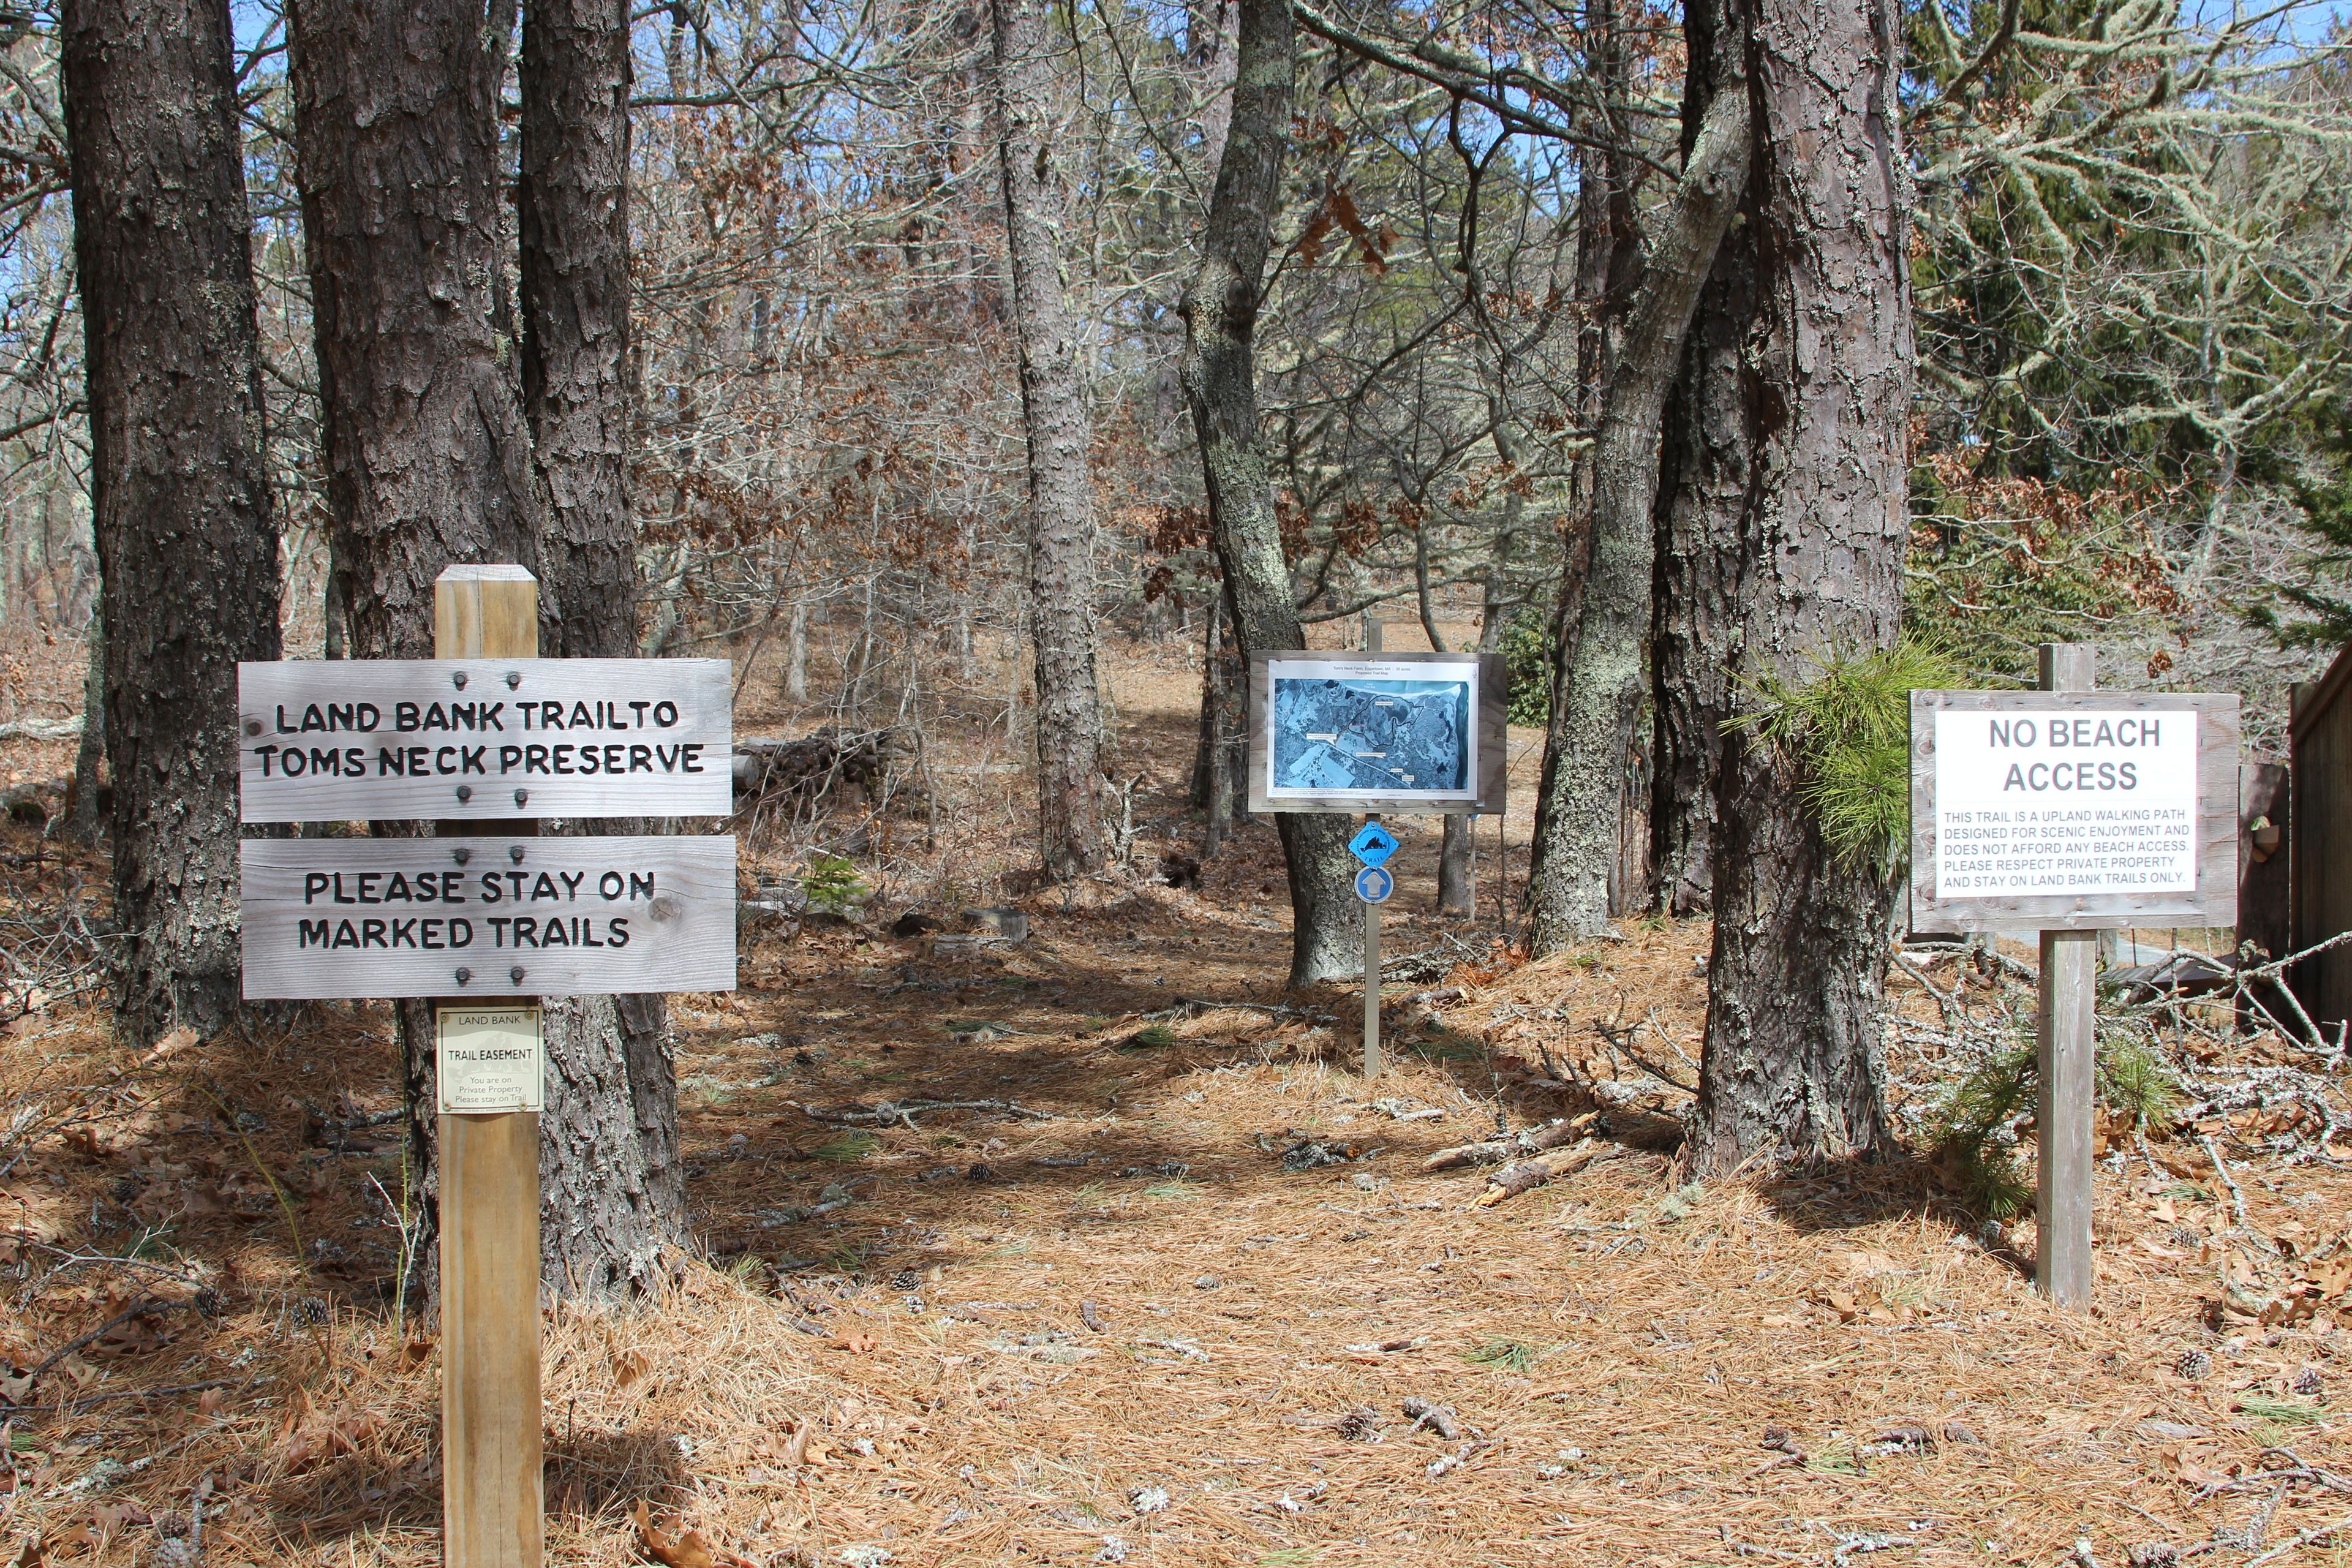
(2065,1042)
(492,1468)
(1372,1063)
(2067,811)
(485,738)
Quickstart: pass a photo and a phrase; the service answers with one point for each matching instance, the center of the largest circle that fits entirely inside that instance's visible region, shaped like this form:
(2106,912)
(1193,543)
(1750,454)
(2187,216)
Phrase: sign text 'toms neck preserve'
(2033,804)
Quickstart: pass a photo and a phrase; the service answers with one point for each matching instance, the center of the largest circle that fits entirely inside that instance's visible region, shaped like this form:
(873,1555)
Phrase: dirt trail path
(1089,1313)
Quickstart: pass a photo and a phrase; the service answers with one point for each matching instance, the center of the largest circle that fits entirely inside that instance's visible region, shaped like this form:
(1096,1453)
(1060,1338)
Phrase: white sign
(471,739)
(490,1059)
(490,917)
(2033,805)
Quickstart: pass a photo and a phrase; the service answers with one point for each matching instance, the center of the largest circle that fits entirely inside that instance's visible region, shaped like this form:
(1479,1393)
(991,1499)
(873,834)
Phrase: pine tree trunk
(1792,1065)
(179,496)
(612,1189)
(1219,373)
(1711,432)
(1074,838)
(1597,695)
(428,459)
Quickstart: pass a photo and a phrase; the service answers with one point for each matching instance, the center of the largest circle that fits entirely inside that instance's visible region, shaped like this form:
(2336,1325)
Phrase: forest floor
(1104,1319)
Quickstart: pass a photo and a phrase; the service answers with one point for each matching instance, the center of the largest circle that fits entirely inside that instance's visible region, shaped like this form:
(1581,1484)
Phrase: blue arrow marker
(1373,846)
(1374,885)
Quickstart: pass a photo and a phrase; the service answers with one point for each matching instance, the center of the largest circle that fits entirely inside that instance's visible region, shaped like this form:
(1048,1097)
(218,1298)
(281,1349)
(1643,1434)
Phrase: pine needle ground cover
(1111,1322)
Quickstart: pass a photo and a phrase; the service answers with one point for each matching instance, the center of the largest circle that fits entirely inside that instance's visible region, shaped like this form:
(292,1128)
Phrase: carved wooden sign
(458,918)
(475,740)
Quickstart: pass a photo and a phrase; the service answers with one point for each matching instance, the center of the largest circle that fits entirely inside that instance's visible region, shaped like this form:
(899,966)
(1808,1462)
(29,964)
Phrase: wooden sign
(1400,734)
(489,917)
(2072,810)
(475,739)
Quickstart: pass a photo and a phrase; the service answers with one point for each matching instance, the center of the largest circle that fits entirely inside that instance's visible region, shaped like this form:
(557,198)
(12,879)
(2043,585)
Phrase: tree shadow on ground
(1851,1195)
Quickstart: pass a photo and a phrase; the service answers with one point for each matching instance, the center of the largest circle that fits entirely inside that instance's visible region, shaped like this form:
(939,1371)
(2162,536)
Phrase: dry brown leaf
(210,1401)
(630,1366)
(686,1550)
(857,1344)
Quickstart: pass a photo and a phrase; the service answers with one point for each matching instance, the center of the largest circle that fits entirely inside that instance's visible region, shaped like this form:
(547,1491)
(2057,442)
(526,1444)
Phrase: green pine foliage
(1848,729)
(1972,1127)
(833,884)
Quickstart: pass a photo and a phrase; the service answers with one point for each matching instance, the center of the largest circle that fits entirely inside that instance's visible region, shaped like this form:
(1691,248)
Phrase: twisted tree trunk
(1074,838)
(1792,1066)
(1219,372)
(1712,428)
(1598,695)
(179,493)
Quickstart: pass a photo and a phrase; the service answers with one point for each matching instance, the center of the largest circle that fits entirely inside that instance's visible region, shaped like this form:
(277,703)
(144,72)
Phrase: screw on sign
(1373,885)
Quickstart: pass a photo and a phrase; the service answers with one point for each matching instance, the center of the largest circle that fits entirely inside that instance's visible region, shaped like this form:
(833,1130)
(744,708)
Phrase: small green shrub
(833,884)
(1527,656)
(2129,1079)
(847,1147)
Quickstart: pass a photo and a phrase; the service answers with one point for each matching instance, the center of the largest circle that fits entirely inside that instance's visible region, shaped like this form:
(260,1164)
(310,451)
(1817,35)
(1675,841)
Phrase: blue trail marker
(1374,885)
(1373,846)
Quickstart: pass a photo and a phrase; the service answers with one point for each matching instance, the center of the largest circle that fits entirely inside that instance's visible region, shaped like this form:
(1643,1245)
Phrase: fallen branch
(1530,1174)
(41,729)
(904,1112)
(1517,1146)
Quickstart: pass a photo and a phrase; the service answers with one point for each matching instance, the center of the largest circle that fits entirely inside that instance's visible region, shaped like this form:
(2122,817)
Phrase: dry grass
(1022,1331)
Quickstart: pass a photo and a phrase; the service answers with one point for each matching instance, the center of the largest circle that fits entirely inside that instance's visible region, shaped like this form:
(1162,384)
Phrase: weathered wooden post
(2065,811)
(1372,1063)
(2065,1043)
(492,1468)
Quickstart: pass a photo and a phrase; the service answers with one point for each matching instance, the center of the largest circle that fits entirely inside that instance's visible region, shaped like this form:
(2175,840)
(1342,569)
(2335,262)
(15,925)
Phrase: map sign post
(1380,733)
(485,919)
(2067,811)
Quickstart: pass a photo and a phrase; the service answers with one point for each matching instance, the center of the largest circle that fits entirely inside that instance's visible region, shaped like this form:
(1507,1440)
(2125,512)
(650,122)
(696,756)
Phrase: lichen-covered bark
(1597,697)
(1074,838)
(1792,1066)
(612,1189)
(1705,470)
(1219,372)
(180,499)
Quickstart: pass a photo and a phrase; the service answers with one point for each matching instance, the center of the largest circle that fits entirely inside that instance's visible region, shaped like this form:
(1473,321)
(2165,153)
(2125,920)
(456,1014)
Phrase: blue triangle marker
(1374,845)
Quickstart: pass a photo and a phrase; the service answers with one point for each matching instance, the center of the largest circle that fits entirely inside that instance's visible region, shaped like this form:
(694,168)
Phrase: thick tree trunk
(429,460)
(1074,838)
(1711,433)
(1792,1065)
(1598,696)
(179,498)
(611,1188)
(1219,372)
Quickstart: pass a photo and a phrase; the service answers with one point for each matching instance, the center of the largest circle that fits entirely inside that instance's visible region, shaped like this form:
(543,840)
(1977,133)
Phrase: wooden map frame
(1494,738)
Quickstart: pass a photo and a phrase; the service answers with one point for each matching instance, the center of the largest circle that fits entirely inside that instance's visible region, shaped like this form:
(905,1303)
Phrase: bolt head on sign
(1374,885)
(1373,846)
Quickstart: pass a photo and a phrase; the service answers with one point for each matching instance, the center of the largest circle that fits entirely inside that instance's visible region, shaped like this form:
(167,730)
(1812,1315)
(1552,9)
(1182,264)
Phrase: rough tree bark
(611,1188)
(180,499)
(1074,838)
(1219,372)
(1711,431)
(1792,1065)
(1597,696)
(427,458)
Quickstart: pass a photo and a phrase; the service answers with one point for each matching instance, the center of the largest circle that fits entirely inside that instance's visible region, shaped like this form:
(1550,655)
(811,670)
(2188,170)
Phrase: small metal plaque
(491,1058)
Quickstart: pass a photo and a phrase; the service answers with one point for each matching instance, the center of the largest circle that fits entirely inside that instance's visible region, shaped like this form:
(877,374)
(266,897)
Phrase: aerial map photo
(1370,736)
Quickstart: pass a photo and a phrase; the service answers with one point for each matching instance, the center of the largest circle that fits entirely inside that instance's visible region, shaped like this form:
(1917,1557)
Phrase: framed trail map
(1377,733)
